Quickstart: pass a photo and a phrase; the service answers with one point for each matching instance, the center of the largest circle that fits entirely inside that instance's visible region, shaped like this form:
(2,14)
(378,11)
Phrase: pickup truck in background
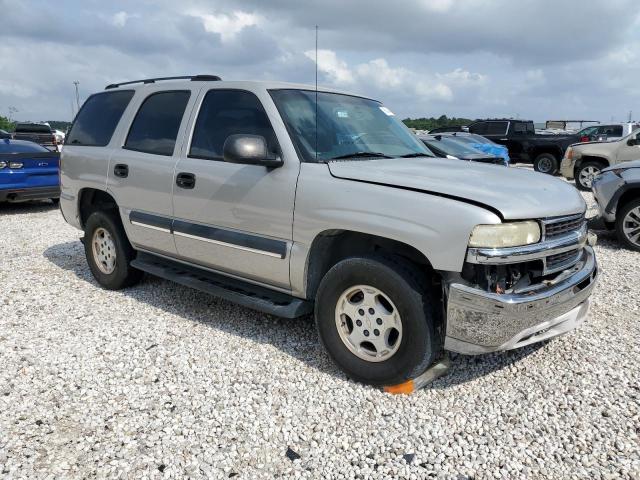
(525,146)
(39,133)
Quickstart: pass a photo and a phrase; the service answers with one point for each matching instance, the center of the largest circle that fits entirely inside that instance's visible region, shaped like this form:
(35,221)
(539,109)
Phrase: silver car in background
(617,192)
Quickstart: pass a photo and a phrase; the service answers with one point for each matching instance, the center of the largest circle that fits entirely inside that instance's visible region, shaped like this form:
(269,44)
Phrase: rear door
(235,218)
(141,170)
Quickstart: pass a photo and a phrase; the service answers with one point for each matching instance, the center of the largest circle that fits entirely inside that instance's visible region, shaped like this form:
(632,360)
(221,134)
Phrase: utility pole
(76,83)
(12,111)
(630,115)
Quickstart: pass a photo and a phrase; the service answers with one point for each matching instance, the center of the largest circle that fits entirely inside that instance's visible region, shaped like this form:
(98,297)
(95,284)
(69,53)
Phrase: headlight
(569,153)
(505,235)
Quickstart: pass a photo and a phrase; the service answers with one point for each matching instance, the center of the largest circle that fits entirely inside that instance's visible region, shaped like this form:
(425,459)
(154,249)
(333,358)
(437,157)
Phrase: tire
(585,173)
(55,201)
(410,351)
(546,163)
(110,258)
(628,225)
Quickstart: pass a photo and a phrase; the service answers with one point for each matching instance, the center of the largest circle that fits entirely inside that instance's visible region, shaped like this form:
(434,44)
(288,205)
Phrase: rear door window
(497,128)
(155,128)
(97,119)
(229,112)
(480,128)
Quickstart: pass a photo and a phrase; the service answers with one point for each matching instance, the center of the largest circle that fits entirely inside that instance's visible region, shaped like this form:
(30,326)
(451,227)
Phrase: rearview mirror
(249,150)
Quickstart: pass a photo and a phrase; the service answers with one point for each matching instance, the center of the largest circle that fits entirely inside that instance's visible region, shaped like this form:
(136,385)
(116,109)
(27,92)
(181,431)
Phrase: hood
(514,193)
(624,165)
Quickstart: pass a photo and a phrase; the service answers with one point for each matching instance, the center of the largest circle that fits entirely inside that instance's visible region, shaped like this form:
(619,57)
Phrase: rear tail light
(3,165)
(15,165)
(584,139)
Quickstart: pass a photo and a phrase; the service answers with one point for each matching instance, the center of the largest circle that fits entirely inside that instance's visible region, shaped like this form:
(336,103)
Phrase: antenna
(316,93)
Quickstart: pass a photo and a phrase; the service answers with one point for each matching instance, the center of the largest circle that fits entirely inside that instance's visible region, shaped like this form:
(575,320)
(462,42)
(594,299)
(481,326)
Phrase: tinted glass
(610,130)
(480,128)
(345,126)
(229,112)
(496,128)
(155,128)
(97,119)
(17,146)
(520,128)
(32,128)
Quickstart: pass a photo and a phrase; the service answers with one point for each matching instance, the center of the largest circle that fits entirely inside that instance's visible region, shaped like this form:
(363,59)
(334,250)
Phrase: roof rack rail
(193,78)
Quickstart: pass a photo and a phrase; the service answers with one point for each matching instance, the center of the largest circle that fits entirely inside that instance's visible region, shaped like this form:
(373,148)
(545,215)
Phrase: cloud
(227,26)
(328,63)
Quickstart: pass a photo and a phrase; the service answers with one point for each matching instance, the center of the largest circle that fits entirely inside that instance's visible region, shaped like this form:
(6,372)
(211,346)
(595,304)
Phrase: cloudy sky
(536,59)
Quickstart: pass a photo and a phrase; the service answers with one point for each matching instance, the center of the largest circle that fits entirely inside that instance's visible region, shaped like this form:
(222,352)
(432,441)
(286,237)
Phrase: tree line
(9,126)
(432,122)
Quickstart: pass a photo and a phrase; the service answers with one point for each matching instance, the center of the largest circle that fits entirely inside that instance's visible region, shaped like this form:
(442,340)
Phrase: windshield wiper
(416,154)
(361,155)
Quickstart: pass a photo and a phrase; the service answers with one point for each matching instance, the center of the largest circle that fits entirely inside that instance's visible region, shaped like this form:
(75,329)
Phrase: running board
(243,293)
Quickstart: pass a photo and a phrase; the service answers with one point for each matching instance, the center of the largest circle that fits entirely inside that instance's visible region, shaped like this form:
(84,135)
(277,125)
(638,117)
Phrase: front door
(229,217)
(629,152)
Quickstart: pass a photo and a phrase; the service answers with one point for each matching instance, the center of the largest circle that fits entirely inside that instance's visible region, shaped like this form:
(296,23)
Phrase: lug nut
(361,312)
(366,333)
(371,311)
(359,323)
(376,332)
(379,321)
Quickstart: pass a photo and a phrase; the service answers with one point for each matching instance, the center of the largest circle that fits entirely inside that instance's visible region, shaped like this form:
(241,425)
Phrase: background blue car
(483,144)
(28,171)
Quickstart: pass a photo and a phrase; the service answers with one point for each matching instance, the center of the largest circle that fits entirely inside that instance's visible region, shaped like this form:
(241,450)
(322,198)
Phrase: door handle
(121,170)
(186,180)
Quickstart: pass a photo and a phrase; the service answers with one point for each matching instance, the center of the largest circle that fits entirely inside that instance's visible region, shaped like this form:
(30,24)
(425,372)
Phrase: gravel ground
(163,381)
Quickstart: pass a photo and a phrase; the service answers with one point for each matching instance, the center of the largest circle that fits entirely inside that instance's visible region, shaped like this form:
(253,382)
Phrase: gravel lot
(162,381)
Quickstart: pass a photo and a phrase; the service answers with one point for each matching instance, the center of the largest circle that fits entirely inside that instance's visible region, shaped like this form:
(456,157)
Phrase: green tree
(6,124)
(431,123)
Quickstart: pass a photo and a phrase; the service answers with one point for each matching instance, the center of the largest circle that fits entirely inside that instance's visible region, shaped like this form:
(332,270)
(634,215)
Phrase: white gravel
(162,381)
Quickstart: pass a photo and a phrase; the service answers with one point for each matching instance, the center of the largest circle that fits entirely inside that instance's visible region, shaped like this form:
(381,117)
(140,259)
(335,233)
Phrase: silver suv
(292,201)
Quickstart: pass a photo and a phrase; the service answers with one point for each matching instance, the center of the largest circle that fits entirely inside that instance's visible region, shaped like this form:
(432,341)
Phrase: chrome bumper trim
(537,251)
(485,321)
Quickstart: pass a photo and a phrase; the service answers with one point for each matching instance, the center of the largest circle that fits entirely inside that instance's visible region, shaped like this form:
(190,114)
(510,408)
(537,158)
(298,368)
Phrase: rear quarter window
(97,119)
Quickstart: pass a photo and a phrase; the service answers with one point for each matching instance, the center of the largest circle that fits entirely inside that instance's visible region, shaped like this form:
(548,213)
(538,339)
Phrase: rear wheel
(546,163)
(377,320)
(109,252)
(628,225)
(585,174)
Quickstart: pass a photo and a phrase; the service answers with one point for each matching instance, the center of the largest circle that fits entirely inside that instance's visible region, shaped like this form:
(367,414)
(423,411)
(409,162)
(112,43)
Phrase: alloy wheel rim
(104,251)
(631,226)
(544,165)
(368,323)
(587,175)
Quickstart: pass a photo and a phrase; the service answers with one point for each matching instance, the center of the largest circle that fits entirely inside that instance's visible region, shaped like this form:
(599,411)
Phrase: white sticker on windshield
(342,114)
(387,111)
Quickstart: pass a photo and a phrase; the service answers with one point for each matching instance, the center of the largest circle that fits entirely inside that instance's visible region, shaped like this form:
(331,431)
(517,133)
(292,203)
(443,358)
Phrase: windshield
(451,147)
(347,126)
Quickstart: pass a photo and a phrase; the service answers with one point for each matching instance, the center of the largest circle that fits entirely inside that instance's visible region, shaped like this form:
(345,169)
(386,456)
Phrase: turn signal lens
(501,235)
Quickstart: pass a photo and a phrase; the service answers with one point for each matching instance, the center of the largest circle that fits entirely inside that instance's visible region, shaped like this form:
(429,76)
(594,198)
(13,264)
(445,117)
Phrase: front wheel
(109,252)
(586,173)
(546,163)
(628,225)
(377,320)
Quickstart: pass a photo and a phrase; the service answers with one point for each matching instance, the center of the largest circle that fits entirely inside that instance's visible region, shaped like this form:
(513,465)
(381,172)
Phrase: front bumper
(26,194)
(482,322)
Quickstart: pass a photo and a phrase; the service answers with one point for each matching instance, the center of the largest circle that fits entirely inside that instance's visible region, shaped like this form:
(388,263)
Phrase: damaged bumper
(479,321)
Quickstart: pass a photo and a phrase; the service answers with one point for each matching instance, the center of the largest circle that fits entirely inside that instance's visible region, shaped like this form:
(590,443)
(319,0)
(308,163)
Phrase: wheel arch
(91,200)
(630,194)
(331,246)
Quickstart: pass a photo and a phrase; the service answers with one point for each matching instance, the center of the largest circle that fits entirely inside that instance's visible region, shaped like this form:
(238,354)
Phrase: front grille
(560,259)
(557,227)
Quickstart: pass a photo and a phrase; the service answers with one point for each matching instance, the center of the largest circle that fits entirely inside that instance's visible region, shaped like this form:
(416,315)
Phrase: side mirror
(249,150)
(631,142)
